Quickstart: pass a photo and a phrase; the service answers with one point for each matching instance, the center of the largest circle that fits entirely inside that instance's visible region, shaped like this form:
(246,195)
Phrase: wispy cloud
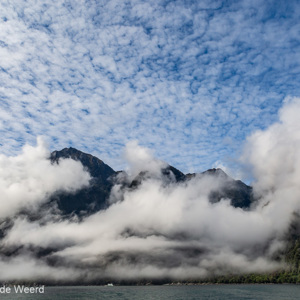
(188,79)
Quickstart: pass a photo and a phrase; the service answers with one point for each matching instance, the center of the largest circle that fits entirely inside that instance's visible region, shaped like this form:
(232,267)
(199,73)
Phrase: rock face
(89,199)
(95,197)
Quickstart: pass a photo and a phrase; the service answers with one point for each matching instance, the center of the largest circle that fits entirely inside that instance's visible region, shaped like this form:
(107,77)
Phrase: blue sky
(188,79)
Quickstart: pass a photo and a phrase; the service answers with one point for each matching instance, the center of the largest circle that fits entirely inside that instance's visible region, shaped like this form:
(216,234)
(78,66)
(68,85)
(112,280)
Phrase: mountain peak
(95,196)
(95,166)
(67,152)
(215,171)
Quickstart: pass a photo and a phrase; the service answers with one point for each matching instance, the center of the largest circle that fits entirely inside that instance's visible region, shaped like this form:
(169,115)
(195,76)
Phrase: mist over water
(160,229)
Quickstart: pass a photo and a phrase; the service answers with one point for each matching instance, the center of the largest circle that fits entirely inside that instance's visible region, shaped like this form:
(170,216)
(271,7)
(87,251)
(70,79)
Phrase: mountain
(92,198)
(240,194)
(95,197)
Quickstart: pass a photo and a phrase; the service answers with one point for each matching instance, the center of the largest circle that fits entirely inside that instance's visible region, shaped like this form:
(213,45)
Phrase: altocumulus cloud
(162,230)
(183,77)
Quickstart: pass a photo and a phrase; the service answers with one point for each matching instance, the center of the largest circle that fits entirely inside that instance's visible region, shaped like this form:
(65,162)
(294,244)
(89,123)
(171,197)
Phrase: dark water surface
(212,292)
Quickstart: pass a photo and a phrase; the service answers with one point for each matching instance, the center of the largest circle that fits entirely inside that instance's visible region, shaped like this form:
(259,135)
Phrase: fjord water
(212,292)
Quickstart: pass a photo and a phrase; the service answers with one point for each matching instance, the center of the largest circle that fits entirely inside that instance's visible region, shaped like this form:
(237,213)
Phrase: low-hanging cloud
(166,229)
(30,178)
(274,157)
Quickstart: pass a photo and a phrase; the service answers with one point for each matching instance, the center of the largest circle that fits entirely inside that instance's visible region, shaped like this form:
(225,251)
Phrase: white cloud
(141,159)
(29,179)
(179,77)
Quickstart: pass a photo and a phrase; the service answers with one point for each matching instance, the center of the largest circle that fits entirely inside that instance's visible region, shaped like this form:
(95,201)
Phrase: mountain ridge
(95,197)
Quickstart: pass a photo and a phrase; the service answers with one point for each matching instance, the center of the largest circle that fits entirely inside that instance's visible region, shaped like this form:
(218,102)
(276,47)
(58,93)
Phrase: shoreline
(136,285)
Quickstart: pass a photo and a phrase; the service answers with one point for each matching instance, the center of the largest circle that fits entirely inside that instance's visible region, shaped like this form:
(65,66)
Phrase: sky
(190,80)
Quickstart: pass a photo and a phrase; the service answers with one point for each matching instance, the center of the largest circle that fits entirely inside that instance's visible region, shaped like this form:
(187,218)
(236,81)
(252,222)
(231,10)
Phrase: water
(212,292)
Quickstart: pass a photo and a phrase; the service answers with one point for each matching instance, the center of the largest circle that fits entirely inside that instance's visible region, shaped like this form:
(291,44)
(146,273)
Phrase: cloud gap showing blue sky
(188,79)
